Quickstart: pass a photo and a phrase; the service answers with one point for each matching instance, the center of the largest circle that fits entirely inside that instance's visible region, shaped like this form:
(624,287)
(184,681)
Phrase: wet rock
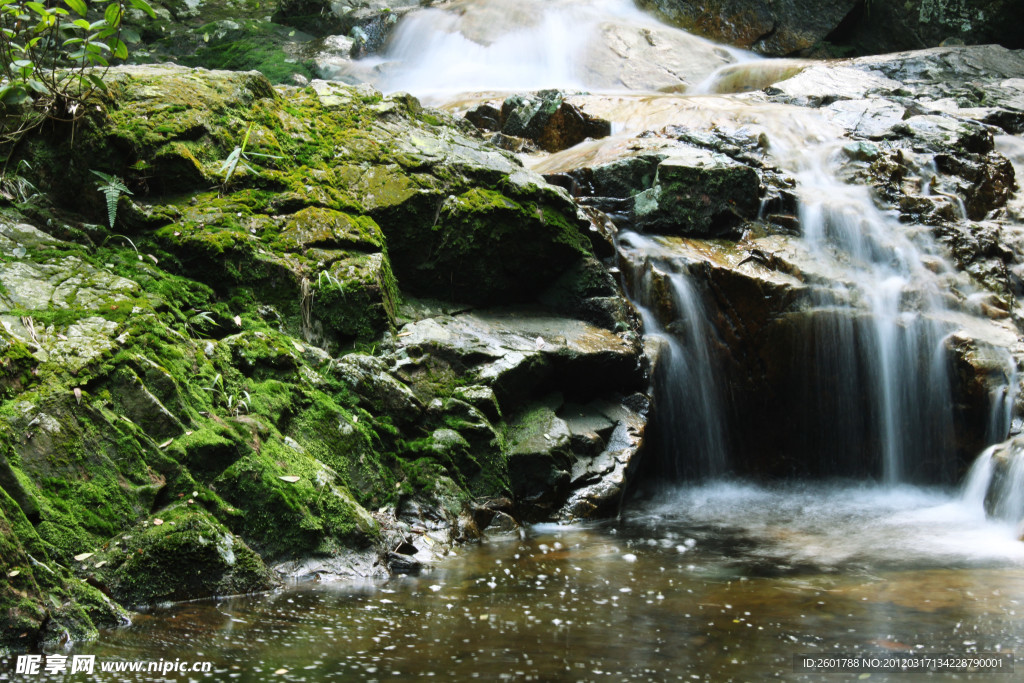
(343,565)
(182,553)
(545,118)
(696,192)
(919,24)
(777,28)
(600,481)
(816,86)
(513,352)
(368,376)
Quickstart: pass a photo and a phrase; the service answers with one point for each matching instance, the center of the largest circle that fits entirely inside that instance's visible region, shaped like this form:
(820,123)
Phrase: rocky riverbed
(394,327)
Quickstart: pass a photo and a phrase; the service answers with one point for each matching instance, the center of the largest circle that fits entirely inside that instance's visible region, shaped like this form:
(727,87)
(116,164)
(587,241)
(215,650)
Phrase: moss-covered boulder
(39,599)
(180,554)
(211,391)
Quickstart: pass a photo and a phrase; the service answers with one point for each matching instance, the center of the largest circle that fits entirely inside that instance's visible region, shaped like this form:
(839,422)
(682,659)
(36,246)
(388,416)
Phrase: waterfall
(500,46)
(895,322)
(876,328)
(688,399)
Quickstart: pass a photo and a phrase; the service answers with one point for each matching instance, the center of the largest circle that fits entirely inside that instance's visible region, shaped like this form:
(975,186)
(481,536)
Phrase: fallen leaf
(83,556)
(78,395)
(167,443)
(238,320)
(157,521)
(280,672)
(99,564)
(12,574)
(195,493)
(290,479)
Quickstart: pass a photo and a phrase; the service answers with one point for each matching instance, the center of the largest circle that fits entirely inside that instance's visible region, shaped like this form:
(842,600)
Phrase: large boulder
(206,389)
(770,28)
(888,27)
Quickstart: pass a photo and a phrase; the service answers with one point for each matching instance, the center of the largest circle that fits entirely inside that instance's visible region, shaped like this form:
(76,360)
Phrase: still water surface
(718,582)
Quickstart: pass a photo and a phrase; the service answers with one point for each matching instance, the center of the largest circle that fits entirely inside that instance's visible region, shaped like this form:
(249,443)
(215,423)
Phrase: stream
(724,581)
(710,578)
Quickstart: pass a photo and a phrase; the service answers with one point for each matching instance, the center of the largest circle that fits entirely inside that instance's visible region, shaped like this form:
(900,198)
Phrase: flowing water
(720,580)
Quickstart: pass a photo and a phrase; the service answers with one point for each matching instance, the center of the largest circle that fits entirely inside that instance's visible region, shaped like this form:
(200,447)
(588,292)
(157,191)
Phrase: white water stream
(893,301)
(719,580)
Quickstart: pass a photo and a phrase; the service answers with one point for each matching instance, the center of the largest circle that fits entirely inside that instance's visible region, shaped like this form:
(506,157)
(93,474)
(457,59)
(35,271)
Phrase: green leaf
(78,6)
(37,86)
(72,41)
(82,24)
(112,15)
(38,8)
(97,81)
(118,47)
(144,6)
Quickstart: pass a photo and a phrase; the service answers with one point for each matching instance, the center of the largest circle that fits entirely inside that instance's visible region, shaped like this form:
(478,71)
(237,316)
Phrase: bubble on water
(435,588)
(629,557)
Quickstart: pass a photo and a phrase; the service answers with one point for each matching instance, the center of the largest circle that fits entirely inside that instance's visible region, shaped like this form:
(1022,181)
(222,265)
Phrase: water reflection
(723,582)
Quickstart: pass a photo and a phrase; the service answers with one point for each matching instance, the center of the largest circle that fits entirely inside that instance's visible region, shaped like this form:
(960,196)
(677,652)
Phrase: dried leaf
(290,479)
(157,521)
(238,320)
(100,564)
(281,672)
(83,556)
(195,493)
(78,395)
(167,443)
(12,574)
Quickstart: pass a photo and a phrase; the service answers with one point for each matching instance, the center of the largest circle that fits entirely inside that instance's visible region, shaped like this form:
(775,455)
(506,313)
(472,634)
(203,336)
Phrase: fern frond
(112,188)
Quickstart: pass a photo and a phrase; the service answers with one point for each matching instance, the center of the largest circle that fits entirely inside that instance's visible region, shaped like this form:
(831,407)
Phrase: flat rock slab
(482,337)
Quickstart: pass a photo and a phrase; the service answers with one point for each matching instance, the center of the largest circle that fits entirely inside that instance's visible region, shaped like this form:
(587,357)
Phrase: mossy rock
(285,519)
(39,600)
(180,553)
(698,193)
(266,47)
(488,247)
(539,457)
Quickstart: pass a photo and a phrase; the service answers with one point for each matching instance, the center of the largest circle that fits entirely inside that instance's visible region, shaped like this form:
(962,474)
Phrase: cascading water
(876,341)
(889,343)
(494,45)
(692,433)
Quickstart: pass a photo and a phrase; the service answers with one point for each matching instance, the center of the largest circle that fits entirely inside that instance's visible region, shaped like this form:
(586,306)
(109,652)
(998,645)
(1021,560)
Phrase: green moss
(187,555)
(285,519)
(255,45)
